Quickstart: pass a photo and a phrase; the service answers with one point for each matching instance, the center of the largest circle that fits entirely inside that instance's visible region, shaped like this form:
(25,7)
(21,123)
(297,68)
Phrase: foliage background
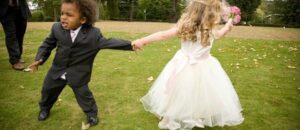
(259,12)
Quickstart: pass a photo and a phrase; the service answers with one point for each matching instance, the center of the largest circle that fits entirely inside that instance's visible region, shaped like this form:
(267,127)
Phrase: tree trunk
(173,13)
(100,8)
(55,14)
(131,2)
(113,9)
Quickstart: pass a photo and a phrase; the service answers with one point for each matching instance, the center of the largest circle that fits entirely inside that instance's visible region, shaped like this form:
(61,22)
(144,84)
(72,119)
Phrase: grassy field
(265,73)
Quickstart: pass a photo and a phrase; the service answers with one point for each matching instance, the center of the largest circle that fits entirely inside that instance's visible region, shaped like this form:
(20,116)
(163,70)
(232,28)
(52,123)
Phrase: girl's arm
(223,31)
(158,36)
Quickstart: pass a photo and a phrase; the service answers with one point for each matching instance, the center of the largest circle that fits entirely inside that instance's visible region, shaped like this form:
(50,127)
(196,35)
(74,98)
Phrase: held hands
(137,45)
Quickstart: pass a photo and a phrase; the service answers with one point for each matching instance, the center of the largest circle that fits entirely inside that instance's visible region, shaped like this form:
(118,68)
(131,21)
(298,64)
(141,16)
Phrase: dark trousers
(14,26)
(52,88)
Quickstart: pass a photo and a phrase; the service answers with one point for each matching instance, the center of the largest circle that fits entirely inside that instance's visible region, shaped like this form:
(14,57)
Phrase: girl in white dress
(193,90)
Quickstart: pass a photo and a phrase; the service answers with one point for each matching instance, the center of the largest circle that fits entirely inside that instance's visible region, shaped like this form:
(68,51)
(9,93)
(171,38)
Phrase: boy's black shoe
(43,115)
(92,120)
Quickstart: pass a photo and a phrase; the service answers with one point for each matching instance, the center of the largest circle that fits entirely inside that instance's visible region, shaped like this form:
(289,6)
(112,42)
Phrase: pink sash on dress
(182,59)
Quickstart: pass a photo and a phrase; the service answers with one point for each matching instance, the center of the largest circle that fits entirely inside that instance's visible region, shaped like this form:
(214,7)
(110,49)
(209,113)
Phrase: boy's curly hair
(87,9)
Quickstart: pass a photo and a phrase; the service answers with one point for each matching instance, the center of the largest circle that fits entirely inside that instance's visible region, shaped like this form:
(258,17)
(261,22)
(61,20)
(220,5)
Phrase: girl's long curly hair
(199,15)
(87,9)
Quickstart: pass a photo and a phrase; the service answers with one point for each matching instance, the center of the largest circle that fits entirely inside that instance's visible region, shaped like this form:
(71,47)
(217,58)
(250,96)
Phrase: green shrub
(37,16)
(48,19)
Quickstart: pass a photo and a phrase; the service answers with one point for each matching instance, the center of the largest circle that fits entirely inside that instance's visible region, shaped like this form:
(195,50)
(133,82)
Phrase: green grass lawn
(265,74)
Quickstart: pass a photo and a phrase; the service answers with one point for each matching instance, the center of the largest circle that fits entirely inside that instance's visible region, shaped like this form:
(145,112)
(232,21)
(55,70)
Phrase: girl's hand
(229,24)
(232,12)
(223,31)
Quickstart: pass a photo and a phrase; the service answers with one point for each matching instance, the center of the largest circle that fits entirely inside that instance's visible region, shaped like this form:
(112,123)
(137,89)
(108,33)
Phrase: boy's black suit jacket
(76,58)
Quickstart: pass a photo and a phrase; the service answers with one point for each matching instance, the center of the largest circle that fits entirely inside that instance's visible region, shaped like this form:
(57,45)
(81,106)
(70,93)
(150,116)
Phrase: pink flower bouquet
(234,13)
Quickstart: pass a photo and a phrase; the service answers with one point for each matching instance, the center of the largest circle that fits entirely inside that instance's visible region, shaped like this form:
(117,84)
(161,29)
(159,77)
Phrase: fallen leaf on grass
(244,58)
(85,126)
(255,62)
(291,67)
(278,56)
(221,50)
(22,87)
(293,49)
(150,78)
(259,58)
(59,102)
(237,65)
(265,55)
(252,49)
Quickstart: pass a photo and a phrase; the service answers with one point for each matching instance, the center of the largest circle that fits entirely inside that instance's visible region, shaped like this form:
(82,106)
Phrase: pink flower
(232,12)
(237,19)
(235,10)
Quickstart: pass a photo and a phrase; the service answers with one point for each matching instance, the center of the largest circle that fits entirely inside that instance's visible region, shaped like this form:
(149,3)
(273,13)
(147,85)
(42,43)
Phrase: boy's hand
(137,45)
(34,66)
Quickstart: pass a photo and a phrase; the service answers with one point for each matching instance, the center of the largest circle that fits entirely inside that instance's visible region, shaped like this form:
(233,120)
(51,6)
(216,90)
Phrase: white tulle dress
(193,90)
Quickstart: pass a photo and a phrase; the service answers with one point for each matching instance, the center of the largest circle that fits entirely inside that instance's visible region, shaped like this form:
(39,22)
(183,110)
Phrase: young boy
(77,43)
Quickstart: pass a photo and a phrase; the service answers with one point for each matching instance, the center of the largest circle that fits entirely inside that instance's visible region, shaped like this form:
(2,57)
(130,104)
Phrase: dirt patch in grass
(270,33)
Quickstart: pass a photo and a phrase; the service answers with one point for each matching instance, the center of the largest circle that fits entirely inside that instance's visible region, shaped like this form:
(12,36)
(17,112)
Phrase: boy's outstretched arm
(158,36)
(224,30)
(112,43)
